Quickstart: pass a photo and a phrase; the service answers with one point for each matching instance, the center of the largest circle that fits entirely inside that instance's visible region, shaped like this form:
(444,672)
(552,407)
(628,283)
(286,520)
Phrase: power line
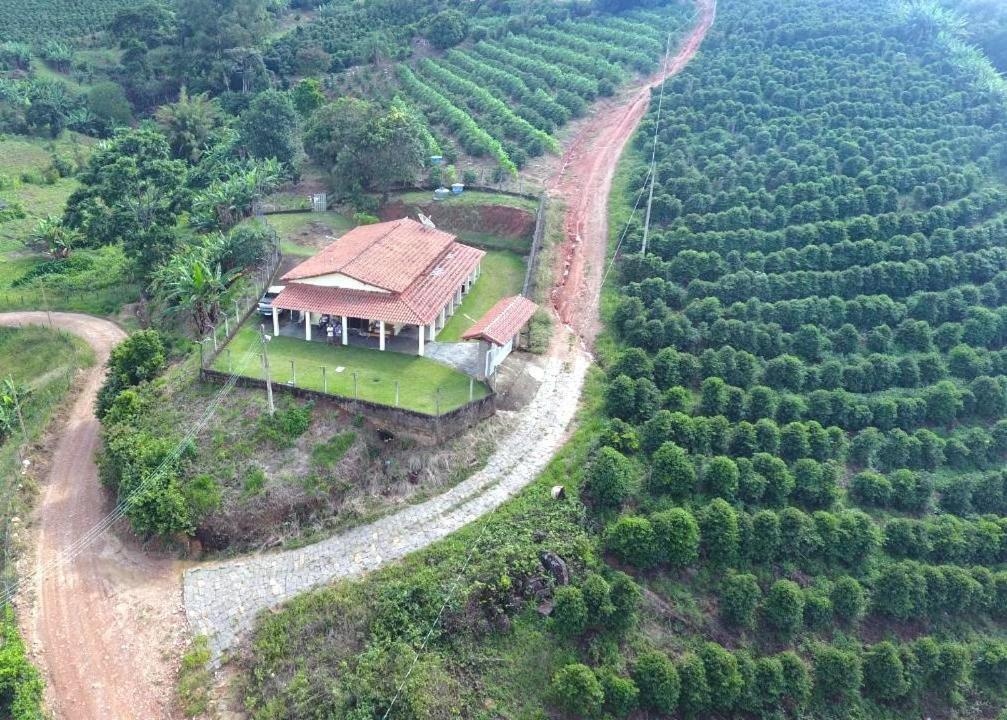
(653,154)
(625,231)
(81,543)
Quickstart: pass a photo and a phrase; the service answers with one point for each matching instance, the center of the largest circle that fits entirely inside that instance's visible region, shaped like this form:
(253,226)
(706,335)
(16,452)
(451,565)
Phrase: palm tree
(189,124)
(923,20)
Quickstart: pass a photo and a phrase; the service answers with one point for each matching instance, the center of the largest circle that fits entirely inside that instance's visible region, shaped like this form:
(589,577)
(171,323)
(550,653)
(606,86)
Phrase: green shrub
(576,690)
(138,358)
(739,597)
(632,540)
(283,427)
(609,479)
(849,601)
(783,608)
(676,533)
(21,686)
(658,681)
(569,613)
(694,696)
(722,675)
(838,674)
(884,674)
(622,696)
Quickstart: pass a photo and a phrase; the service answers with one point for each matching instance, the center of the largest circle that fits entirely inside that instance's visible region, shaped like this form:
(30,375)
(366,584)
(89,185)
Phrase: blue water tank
(436,159)
(457,188)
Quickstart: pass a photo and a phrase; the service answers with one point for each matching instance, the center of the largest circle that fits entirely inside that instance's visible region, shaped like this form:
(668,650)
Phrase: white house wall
(338,280)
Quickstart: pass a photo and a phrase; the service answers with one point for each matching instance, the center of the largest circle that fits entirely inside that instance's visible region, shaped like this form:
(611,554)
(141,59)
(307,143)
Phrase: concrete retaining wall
(425,428)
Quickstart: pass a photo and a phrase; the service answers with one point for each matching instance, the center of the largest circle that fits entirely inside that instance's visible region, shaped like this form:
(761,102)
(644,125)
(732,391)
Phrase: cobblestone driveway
(222,600)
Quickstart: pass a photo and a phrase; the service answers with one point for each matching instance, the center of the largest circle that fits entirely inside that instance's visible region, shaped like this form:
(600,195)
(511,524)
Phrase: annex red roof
(419,304)
(389,255)
(503,321)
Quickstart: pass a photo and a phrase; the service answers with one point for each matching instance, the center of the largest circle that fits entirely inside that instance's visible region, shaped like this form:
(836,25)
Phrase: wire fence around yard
(369,379)
(101,300)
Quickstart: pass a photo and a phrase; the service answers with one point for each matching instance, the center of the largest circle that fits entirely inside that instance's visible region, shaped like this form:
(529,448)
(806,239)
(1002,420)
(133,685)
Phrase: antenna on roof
(427,222)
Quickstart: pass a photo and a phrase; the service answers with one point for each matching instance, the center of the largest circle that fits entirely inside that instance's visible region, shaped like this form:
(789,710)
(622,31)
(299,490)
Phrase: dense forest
(789,499)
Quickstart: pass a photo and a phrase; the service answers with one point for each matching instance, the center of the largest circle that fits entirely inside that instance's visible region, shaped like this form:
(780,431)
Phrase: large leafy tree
(131,194)
(366,145)
(269,127)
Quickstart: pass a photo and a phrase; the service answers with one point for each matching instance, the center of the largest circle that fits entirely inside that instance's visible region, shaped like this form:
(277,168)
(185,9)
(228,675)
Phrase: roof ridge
(379,240)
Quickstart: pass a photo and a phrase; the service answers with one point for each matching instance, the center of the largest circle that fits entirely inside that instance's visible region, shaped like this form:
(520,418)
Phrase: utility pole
(263,339)
(653,154)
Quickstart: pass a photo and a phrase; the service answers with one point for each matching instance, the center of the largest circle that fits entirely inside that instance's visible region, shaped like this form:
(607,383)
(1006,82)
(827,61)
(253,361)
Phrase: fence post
(215,347)
(227,327)
(472,384)
(325,381)
(201,363)
(229,368)
(237,314)
(355,385)
(293,374)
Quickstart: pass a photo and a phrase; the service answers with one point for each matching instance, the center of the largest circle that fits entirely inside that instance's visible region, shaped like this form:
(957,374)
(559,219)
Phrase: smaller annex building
(498,330)
(389,279)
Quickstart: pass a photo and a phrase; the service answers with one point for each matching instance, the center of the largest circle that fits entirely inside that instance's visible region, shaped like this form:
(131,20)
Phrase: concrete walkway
(222,600)
(462,356)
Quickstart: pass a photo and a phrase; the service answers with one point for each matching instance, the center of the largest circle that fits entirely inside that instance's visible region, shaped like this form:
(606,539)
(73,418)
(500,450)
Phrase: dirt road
(584,182)
(105,628)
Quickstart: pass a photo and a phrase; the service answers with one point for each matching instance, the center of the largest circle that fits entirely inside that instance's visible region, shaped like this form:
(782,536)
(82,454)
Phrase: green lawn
(419,378)
(303,234)
(101,289)
(502,275)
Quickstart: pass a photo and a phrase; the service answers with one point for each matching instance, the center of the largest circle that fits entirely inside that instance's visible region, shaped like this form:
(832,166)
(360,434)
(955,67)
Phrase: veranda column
(381,334)
(422,328)
(276,321)
(442,318)
(433,331)
(307,325)
(346,331)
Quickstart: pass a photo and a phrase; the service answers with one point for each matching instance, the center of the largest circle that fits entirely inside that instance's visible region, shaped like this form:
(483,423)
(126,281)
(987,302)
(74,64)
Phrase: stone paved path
(222,600)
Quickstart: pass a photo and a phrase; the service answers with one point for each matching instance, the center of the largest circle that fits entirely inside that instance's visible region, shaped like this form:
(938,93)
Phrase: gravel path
(222,600)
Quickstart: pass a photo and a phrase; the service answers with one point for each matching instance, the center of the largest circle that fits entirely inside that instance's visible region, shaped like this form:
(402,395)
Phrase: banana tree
(52,236)
(226,202)
(193,283)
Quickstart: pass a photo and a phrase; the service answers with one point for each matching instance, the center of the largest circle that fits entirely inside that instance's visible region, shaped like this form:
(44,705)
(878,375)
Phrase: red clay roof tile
(419,304)
(389,255)
(503,321)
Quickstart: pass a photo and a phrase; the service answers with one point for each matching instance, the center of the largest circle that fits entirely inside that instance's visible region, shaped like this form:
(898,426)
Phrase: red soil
(584,181)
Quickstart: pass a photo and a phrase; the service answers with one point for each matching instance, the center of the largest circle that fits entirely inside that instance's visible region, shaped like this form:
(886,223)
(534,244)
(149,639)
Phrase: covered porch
(360,332)
(307,312)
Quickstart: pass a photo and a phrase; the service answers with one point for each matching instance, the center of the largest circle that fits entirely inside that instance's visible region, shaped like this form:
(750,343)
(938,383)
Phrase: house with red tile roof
(384,279)
(498,330)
